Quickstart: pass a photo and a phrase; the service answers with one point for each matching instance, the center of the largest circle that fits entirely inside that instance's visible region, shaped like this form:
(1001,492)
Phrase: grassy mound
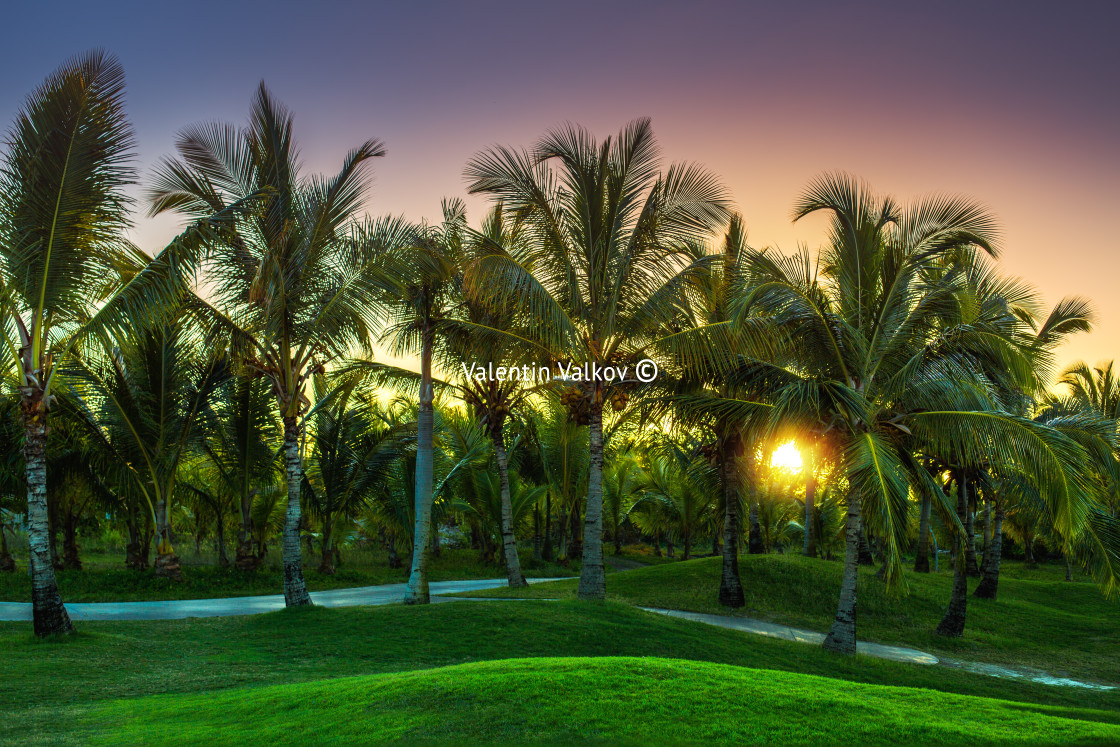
(580,700)
(1039,620)
(48,685)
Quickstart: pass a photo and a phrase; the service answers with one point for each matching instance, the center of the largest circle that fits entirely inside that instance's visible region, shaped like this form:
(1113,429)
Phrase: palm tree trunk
(71,560)
(246,559)
(986,544)
(921,557)
(842,635)
(509,540)
(417,591)
(167,562)
(730,584)
(809,546)
(326,565)
(592,577)
(952,624)
(220,531)
(295,588)
(546,551)
(50,616)
(755,545)
(989,583)
(7,562)
(971,566)
(537,531)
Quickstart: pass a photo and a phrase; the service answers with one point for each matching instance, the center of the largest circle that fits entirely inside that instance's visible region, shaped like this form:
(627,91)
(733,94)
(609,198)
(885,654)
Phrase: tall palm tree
(288,278)
(425,295)
(609,230)
(63,216)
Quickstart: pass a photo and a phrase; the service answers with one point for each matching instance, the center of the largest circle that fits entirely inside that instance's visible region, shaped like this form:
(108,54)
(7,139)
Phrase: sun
(787,457)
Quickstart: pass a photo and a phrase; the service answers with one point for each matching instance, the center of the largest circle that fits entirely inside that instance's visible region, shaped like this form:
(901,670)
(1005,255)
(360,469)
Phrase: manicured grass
(48,686)
(584,700)
(1039,620)
(103,583)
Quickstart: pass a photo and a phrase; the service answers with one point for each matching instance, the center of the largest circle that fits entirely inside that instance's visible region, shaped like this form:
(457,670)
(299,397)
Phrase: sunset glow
(787,457)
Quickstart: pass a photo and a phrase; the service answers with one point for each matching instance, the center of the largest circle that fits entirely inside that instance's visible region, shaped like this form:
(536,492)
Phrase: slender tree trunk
(952,624)
(592,577)
(1069,567)
(657,545)
(246,560)
(921,556)
(220,532)
(687,546)
(575,534)
(989,583)
(326,564)
(50,616)
(809,546)
(167,562)
(1028,550)
(730,584)
(546,551)
(7,562)
(391,551)
(755,545)
(295,588)
(509,541)
(842,635)
(537,531)
(987,538)
(71,560)
(417,591)
(971,566)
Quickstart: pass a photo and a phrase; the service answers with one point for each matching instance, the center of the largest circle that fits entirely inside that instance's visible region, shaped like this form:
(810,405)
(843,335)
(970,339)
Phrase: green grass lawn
(1039,620)
(53,691)
(587,700)
(102,581)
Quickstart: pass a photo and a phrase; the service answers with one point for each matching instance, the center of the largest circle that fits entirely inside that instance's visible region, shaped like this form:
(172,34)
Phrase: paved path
(775,630)
(181,608)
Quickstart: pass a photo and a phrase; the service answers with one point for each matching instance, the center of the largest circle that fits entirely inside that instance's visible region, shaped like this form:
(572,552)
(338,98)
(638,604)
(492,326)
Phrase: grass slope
(48,686)
(1038,621)
(584,700)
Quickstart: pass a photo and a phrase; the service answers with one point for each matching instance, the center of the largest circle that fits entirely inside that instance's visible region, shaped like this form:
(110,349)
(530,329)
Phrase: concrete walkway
(775,630)
(182,608)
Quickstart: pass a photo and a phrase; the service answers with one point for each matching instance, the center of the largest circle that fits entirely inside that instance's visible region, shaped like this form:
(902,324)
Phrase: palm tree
(64,213)
(609,230)
(147,396)
(424,297)
(287,278)
(240,450)
(352,449)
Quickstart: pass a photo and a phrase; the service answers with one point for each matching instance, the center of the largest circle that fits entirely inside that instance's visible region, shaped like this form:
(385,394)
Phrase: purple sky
(1014,103)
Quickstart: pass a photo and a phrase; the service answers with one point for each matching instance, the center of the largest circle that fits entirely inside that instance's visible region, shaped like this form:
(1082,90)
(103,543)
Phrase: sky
(1016,104)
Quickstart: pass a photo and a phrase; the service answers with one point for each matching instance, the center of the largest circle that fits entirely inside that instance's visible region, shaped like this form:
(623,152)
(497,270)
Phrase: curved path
(181,608)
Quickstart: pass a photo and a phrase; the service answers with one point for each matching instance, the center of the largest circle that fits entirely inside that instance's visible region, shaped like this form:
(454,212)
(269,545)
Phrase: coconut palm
(352,449)
(608,228)
(287,277)
(147,396)
(63,213)
(425,295)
